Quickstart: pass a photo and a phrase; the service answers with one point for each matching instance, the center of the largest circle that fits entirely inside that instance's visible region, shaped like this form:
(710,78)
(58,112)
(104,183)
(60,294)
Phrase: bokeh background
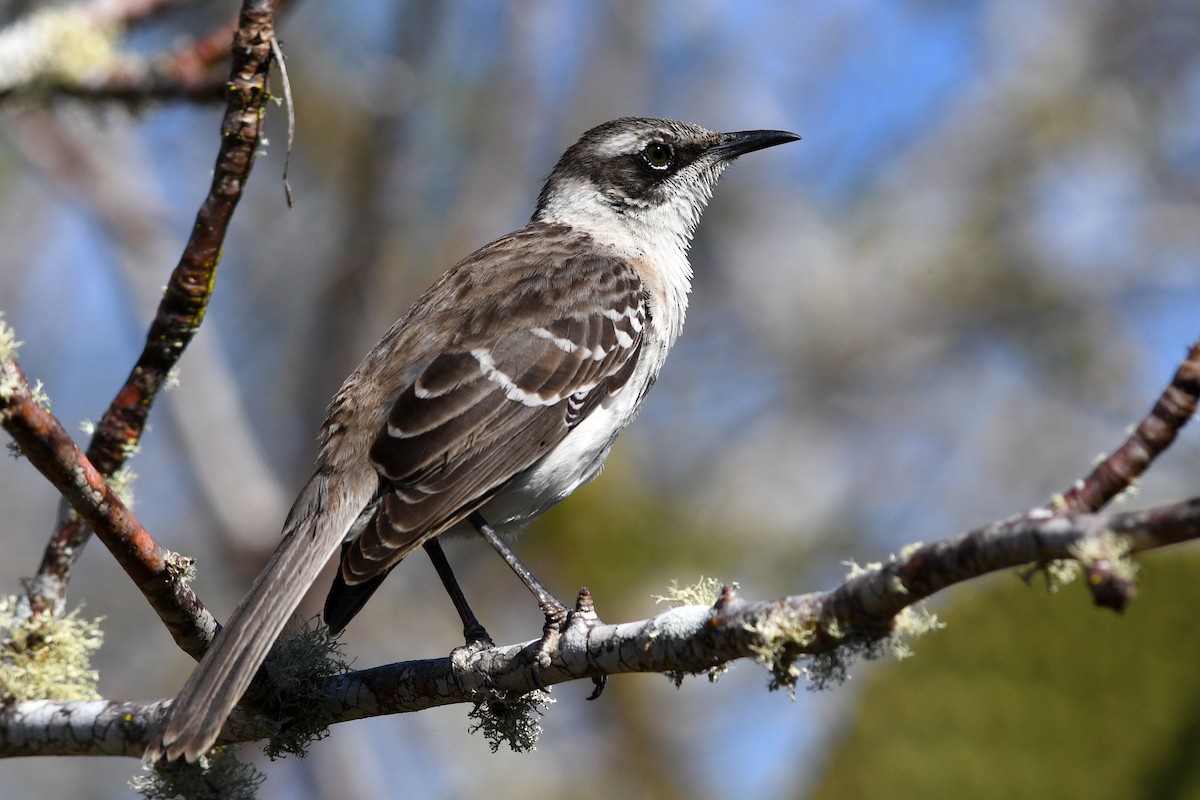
(980,266)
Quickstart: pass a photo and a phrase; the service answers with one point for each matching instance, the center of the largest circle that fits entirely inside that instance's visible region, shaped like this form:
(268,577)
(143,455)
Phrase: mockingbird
(498,394)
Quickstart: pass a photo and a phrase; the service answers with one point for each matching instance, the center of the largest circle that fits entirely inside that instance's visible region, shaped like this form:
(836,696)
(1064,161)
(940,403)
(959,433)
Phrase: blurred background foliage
(978,268)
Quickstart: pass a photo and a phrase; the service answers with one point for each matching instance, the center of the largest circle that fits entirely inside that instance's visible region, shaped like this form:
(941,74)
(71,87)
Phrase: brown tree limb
(157,572)
(185,298)
(856,618)
(1154,434)
(1117,472)
(188,73)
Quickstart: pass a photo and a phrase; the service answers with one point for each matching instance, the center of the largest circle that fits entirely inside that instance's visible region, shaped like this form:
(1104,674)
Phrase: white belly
(576,460)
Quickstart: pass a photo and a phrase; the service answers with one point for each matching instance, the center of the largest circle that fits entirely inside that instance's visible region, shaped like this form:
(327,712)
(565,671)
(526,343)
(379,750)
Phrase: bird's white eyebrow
(616,145)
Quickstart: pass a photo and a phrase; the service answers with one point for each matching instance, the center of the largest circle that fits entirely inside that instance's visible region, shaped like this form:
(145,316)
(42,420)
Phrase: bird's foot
(561,621)
(476,641)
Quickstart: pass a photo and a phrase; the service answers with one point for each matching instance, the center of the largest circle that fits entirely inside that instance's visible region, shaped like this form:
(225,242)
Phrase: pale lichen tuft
(121,482)
(515,721)
(786,634)
(8,341)
(181,568)
(1106,548)
(911,623)
(37,393)
(782,636)
(47,657)
(702,593)
(59,44)
(855,569)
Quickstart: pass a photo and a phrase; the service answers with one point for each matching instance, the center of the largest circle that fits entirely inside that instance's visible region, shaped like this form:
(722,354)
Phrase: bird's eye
(658,155)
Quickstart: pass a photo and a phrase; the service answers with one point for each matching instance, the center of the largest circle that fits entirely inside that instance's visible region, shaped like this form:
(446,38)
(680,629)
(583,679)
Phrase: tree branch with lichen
(1117,472)
(159,573)
(811,637)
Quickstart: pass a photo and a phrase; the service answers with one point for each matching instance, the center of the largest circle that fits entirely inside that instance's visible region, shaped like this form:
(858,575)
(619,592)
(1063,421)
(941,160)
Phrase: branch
(184,300)
(1154,434)
(828,628)
(41,57)
(1118,471)
(157,572)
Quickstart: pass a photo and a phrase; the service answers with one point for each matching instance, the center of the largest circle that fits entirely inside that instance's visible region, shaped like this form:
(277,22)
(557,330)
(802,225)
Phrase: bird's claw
(477,640)
(559,622)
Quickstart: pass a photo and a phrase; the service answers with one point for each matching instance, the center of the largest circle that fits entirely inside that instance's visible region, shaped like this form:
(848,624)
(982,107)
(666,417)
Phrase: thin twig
(129,86)
(291,117)
(186,73)
(1154,434)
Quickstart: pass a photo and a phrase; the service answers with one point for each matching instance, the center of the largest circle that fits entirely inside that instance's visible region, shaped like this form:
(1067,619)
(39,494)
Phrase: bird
(497,394)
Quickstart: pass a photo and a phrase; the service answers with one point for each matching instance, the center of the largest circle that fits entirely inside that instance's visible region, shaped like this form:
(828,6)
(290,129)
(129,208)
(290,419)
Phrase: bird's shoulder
(539,274)
(536,318)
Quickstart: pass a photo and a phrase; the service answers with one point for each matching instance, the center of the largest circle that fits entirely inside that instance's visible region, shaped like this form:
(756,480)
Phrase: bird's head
(652,175)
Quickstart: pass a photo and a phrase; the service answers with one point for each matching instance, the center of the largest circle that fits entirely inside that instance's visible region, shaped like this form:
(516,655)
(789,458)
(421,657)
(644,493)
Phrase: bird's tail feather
(313,532)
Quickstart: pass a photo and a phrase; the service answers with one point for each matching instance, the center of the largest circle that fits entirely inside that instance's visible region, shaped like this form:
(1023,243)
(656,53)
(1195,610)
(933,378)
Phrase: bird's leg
(476,636)
(551,606)
(556,613)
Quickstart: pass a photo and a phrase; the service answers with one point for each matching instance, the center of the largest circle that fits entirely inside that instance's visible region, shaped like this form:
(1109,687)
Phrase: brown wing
(541,346)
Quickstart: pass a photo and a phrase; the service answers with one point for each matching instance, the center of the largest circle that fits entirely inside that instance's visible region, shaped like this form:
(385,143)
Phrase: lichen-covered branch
(185,298)
(815,635)
(157,572)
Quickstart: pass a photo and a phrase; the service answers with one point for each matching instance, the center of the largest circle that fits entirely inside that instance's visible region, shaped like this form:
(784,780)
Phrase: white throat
(657,235)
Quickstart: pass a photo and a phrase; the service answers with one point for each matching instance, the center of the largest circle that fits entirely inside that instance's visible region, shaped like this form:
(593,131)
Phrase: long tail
(319,519)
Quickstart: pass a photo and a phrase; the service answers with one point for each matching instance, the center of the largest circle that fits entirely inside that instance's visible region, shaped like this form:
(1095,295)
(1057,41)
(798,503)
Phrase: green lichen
(1107,548)
(47,657)
(785,635)
(703,592)
(298,667)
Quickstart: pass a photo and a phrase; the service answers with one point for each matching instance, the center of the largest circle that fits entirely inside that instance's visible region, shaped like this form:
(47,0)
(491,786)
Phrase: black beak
(738,144)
